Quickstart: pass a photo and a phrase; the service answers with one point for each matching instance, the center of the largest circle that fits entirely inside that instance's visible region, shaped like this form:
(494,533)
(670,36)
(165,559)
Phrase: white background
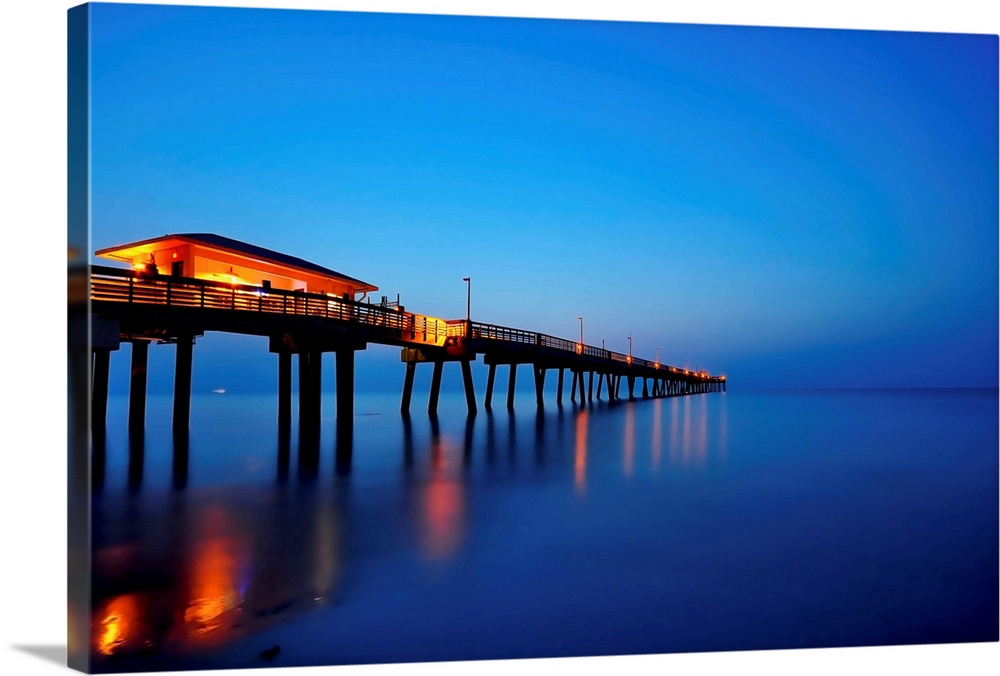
(32,361)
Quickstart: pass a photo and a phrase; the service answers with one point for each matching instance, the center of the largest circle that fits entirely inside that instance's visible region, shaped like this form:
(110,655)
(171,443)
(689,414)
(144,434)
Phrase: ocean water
(728,521)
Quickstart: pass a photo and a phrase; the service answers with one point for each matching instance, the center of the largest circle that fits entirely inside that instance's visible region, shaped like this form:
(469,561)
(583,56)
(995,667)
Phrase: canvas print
(418,338)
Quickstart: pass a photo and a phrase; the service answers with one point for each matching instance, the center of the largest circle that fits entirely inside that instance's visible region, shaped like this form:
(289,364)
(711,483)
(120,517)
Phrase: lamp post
(630,347)
(468,298)
(581,333)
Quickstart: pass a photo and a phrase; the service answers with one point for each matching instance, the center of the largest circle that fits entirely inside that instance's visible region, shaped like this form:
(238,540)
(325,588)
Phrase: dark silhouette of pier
(127,306)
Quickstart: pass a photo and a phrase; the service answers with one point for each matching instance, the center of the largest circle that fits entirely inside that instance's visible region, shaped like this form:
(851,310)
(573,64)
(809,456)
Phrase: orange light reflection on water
(629,441)
(443,507)
(326,560)
(216,567)
(580,454)
(701,444)
(689,438)
(119,621)
(686,435)
(657,433)
(674,432)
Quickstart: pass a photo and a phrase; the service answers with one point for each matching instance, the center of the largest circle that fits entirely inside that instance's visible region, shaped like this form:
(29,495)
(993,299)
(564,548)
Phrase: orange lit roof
(130,251)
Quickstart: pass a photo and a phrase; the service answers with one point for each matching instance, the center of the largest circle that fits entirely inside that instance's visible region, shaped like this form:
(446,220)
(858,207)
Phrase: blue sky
(803,207)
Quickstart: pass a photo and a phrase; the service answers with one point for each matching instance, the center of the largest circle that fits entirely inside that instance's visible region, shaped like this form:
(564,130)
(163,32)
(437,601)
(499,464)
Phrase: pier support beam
(137,388)
(284,393)
(490,380)
(579,382)
(432,404)
(344,450)
(310,403)
(438,356)
(182,384)
(345,388)
(510,385)
(572,387)
(645,388)
(539,385)
(411,370)
(470,392)
(600,383)
(559,388)
(590,387)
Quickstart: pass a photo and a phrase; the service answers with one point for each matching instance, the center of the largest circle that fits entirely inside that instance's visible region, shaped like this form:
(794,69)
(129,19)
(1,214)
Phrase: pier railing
(126,286)
(554,343)
(117,285)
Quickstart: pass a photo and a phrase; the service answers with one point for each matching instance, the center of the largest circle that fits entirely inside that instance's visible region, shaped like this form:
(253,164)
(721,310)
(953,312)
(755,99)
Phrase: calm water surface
(747,520)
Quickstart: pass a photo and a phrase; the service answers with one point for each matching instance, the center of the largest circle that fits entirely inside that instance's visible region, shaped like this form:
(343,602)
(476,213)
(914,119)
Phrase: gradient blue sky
(800,207)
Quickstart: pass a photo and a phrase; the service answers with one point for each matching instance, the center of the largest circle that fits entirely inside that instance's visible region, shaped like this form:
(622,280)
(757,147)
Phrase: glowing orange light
(580,454)
(579,348)
(139,266)
(118,621)
(443,510)
(213,586)
(629,441)
(629,359)
(443,513)
(217,565)
(173,255)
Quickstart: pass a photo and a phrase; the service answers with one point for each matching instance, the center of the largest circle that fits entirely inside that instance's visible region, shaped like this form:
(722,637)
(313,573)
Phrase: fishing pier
(213,283)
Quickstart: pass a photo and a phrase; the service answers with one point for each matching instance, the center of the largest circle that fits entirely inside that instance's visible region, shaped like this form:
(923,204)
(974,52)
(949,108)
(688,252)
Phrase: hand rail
(119,285)
(541,340)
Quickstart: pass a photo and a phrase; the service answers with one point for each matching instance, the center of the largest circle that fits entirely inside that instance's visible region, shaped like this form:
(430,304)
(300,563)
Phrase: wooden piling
(310,398)
(510,385)
(182,384)
(284,392)
(539,385)
(490,379)
(137,388)
(470,392)
(432,405)
(345,387)
(404,406)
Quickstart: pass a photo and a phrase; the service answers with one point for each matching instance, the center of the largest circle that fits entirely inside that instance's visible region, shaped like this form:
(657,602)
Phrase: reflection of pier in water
(209,568)
(217,565)
(688,443)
